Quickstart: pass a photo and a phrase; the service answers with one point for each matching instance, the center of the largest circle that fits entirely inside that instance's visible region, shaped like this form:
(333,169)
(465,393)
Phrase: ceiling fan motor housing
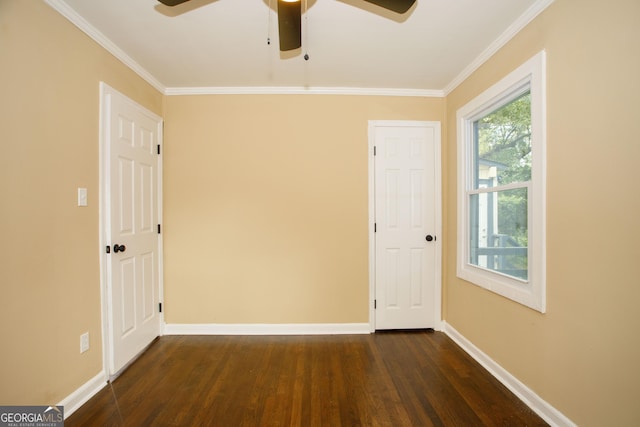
(289,24)
(290,18)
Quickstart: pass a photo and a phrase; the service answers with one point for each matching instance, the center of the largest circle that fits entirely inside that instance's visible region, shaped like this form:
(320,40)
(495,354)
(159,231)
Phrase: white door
(131,141)
(407,260)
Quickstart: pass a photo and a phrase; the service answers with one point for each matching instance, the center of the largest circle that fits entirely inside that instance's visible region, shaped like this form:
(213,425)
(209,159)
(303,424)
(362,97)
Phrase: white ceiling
(215,44)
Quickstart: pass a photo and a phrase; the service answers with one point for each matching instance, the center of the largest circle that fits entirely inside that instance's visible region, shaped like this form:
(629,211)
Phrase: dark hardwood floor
(384,379)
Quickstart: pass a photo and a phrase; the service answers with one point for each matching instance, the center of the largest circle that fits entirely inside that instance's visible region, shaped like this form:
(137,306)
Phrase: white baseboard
(85,392)
(267,329)
(550,414)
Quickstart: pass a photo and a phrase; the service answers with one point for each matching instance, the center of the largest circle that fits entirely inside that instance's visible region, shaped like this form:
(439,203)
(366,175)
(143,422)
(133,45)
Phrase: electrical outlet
(84,342)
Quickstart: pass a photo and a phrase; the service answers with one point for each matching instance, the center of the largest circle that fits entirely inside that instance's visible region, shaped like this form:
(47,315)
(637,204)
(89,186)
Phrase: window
(501,187)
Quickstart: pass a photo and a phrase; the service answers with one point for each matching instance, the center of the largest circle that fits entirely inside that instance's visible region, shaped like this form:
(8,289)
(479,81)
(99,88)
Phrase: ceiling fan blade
(289,24)
(399,6)
(172,2)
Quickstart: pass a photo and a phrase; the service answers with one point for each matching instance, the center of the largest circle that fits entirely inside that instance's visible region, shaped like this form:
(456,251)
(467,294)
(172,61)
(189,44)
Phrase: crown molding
(287,90)
(63,9)
(529,15)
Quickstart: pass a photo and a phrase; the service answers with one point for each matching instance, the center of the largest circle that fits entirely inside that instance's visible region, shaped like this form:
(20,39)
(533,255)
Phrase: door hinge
(374,150)
(375,304)
(158,228)
(160,307)
(158,148)
(108,249)
(375,227)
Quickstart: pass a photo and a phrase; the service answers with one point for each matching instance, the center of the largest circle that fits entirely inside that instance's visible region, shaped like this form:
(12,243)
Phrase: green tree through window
(503,147)
(504,136)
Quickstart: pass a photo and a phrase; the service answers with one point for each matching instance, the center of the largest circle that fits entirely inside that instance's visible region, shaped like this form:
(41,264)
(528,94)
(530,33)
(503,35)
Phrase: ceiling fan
(290,13)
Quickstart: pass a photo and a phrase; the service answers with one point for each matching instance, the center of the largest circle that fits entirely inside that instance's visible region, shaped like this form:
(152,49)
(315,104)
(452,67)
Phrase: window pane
(503,144)
(498,231)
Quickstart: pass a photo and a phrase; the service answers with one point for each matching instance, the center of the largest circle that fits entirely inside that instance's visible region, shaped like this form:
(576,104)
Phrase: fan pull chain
(306,31)
(269,24)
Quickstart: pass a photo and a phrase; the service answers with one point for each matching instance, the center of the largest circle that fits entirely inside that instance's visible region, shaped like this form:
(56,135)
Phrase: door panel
(132,200)
(406,268)
(125,299)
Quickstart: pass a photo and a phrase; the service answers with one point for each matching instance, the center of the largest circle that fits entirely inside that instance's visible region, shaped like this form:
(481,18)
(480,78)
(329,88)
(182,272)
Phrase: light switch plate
(82,197)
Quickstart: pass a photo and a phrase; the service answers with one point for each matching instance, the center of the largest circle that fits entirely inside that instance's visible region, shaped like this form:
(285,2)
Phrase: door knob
(119,248)
(430,237)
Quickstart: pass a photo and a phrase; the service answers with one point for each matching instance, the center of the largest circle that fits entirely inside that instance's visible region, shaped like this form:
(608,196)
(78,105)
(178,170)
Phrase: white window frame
(530,292)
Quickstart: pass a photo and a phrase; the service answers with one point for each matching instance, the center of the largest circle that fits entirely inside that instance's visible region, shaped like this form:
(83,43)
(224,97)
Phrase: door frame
(104,239)
(373,124)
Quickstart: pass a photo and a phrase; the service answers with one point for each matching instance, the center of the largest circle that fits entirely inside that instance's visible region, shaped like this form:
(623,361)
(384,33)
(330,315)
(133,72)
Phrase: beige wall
(265,205)
(582,355)
(49,255)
